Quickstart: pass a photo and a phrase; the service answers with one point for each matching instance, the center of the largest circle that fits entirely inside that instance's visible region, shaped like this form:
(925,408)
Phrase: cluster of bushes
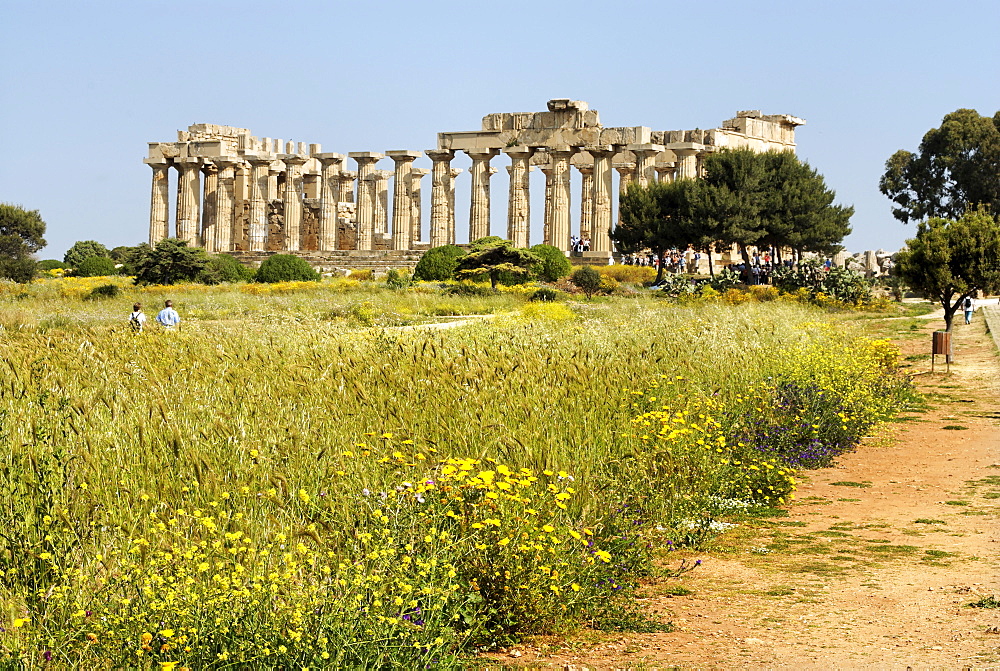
(173,262)
(494,258)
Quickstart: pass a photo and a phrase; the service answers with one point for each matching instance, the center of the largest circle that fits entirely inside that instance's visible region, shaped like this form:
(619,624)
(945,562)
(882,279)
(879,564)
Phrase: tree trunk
(659,268)
(711,266)
(493,280)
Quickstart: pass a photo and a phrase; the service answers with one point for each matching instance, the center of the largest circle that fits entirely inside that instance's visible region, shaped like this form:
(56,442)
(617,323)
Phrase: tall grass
(269,460)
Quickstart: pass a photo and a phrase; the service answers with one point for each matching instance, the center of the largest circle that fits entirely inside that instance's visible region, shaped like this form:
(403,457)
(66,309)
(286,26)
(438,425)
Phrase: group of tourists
(167,317)
(578,244)
(674,261)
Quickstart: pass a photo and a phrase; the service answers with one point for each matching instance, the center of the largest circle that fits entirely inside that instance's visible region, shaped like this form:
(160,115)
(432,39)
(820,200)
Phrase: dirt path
(875,565)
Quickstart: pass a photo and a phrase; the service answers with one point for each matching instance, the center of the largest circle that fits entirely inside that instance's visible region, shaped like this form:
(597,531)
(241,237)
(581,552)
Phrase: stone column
(626,174)
(479,210)
(603,216)
(415,203)
(346,190)
(547,209)
(225,203)
(687,162)
(209,209)
(586,201)
(366,196)
(442,210)
(381,178)
(519,200)
(401,209)
(645,159)
(257,234)
(665,172)
(188,198)
(272,183)
(329,186)
(560,227)
(293,200)
(159,207)
(455,172)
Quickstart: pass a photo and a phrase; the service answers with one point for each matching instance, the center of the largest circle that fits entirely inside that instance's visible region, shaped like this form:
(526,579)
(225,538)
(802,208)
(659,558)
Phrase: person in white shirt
(137,320)
(168,317)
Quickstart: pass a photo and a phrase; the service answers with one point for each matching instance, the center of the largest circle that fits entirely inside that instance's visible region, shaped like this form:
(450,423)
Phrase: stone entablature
(240,193)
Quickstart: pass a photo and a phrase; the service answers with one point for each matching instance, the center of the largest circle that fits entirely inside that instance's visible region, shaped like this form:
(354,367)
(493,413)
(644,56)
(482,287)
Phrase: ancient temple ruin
(250,196)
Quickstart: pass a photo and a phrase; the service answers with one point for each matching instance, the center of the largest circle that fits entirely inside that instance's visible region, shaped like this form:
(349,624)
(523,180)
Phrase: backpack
(967,303)
(134,321)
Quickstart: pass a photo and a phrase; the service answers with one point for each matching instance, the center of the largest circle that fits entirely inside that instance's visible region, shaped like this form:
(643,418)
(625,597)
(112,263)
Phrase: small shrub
(676,286)
(396,280)
(554,265)
(104,291)
(438,263)
(96,266)
(544,294)
(588,279)
(361,275)
(286,268)
(724,280)
(50,264)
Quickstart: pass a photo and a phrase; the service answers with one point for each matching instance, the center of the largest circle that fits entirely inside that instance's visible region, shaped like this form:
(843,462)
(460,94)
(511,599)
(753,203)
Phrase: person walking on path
(969,306)
(168,317)
(137,320)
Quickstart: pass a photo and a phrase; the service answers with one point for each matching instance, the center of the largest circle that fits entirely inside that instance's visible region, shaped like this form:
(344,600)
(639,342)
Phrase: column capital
(685,148)
(329,157)
(155,163)
(187,163)
(644,148)
(348,174)
(455,172)
(482,154)
(402,155)
(440,154)
(223,162)
(519,151)
(602,150)
(624,167)
(585,169)
(210,168)
(420,172)
(561,151)
(258,160)
(366,156)
(293,159)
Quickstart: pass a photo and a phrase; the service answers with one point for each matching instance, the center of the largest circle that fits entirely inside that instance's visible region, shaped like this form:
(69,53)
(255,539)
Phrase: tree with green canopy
(21,234)
(770,199)
(494,257)
(82,250)
(170,262)
(955,169)
(951,259)
(659,216)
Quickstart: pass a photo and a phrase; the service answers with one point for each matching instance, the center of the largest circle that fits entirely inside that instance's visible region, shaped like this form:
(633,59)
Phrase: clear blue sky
(86,84)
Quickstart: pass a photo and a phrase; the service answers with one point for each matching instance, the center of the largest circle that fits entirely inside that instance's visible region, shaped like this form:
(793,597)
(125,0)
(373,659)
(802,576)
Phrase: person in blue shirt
(168,317)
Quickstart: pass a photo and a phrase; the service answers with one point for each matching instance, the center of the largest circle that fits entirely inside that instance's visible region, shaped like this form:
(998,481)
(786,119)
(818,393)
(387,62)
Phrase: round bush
(96,266)
(225,268)
(438,263)
(104,291)
(286,268)
(50,264)
(554,265)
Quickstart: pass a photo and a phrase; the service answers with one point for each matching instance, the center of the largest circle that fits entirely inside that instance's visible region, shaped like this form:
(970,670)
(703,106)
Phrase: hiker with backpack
(137,320)
(969,306)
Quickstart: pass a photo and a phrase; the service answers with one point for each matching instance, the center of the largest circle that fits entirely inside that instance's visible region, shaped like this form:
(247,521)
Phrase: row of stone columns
(216,213)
